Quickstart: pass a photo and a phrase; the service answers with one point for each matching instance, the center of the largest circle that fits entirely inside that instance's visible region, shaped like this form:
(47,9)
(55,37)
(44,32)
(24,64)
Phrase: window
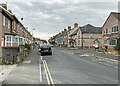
(113,42)
(79,35)
(9,24)
(115,29)
(3,20)
(105,31)
(16,41)
(78,42)
(8,41)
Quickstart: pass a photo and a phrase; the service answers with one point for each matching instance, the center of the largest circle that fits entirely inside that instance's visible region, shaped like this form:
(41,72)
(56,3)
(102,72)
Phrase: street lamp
(32,31)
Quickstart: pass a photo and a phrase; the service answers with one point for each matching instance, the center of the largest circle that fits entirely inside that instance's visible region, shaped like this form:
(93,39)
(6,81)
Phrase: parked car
(45,49)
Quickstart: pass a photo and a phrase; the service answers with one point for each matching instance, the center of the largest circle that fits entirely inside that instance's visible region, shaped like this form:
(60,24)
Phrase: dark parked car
(45,49)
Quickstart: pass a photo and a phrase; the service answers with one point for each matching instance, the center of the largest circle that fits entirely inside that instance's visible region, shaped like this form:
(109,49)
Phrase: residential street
(66,68)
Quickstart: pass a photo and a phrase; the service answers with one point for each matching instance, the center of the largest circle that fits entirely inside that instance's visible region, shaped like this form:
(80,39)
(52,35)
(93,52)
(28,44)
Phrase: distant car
(45,49)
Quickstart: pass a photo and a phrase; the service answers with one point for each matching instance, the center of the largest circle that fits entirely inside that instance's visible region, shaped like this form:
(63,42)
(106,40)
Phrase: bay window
(16,41)
(8,41)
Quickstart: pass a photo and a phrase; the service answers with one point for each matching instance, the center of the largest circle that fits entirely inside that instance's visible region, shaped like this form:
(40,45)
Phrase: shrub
(117,47)
(28,46)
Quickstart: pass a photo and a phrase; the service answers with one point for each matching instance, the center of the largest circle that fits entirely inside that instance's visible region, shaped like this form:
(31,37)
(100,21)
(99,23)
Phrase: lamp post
(32,31)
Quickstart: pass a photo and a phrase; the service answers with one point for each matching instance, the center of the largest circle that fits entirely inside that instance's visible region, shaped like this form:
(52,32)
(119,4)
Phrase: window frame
(111,41)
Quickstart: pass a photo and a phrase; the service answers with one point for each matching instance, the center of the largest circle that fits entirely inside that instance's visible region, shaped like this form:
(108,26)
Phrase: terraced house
(12,34)
(111,31)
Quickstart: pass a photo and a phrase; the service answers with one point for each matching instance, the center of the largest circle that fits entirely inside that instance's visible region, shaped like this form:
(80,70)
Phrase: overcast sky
(50,17)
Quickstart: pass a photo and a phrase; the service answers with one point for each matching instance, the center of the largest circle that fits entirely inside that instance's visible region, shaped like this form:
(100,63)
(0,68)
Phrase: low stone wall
(13,54)
(10,53)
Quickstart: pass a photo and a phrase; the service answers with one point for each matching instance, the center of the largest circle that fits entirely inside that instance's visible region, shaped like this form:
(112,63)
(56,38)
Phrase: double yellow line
(48,75)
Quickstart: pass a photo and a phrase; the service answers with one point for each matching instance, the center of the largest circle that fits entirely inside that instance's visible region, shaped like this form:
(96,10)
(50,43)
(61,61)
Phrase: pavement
(66,68)
(27,72)
(5,70)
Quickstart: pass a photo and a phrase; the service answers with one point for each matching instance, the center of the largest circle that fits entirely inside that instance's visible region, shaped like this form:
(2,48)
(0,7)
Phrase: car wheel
(41,54)
(51,53)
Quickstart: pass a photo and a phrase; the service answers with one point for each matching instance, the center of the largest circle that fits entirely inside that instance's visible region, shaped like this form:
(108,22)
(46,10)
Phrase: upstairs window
(8,24)
(115,29)
(105,31)
(3,20)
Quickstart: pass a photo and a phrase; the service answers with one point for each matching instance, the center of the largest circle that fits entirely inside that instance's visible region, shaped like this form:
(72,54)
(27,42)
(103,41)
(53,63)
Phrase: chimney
(69,28)
(65,30)
(75,25)
(4,5)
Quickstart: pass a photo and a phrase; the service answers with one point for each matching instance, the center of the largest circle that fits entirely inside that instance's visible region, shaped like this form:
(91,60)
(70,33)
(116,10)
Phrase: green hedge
(117,47)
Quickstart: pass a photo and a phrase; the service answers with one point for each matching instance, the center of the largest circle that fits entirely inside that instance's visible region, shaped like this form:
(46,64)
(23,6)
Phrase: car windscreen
(45,46)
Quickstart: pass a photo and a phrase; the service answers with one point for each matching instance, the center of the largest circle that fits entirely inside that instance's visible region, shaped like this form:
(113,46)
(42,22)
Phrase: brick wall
(0,34)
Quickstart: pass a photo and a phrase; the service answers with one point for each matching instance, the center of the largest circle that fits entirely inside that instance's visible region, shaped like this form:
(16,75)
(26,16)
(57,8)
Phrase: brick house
(71,39)
(87,37)
(12,34)
(111,31)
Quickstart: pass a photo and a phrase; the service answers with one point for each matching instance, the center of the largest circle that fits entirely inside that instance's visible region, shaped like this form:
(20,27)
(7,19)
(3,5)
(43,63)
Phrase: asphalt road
(66,68)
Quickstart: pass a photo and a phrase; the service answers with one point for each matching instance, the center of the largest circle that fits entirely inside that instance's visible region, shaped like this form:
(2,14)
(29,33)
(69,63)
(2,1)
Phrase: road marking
(46,73)
(40,62)
(49,74)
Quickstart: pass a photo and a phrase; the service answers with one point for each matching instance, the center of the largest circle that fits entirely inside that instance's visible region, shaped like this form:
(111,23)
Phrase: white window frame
(6,40)
(3,20)
(106,31)
(115,29)
(113,39)
(16,42)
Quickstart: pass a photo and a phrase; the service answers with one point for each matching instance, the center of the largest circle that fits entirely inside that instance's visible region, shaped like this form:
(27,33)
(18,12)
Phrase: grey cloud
(51,18)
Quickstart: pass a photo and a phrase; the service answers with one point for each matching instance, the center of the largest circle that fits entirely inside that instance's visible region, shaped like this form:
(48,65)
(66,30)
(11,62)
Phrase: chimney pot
(4,5)
(69,28)
(75,25)
(65,30)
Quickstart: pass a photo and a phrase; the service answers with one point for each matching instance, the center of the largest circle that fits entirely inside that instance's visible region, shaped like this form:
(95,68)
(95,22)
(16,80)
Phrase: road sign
(8,56)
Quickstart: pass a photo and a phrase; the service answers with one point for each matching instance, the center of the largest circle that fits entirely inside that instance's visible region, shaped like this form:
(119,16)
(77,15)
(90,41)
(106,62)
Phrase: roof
(74,33)
(116,14)
(63,34)
(91,29)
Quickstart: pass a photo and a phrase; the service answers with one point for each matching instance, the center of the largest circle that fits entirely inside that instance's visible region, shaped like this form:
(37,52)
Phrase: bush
(117,47)
(28,46)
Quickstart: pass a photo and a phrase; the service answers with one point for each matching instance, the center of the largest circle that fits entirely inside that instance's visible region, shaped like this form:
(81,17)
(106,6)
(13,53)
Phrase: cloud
(50,17)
